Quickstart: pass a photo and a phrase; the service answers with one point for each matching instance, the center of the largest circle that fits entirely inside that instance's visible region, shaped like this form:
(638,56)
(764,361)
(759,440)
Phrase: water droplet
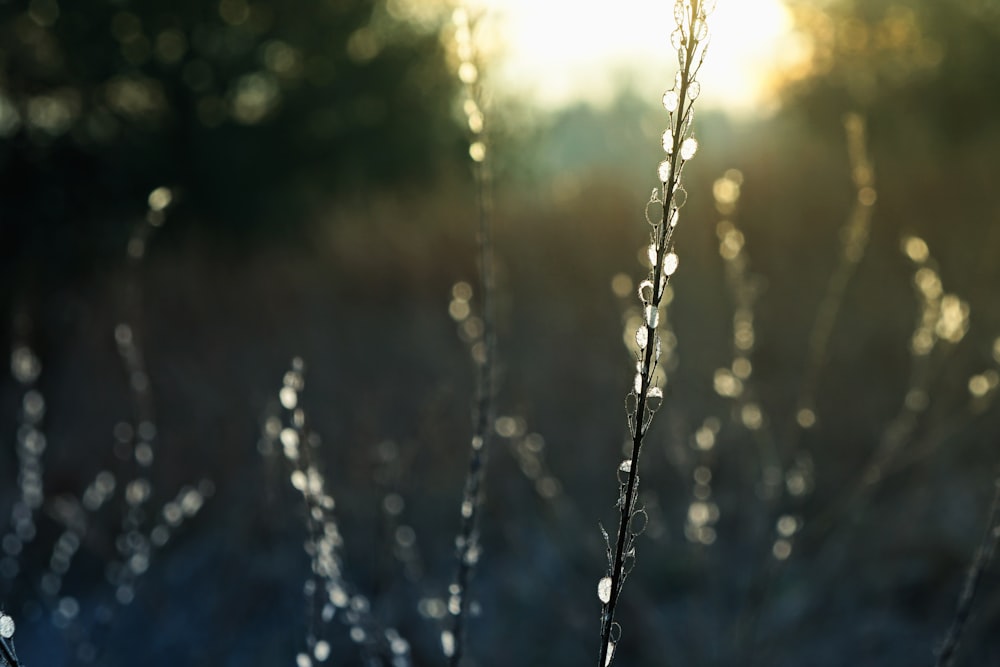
(448,643)
(468,73)
(787,525)
(677,39)
(476,121)
(303,660)
(477,151)
(322,650)
(663,171)
(652,314)
(916,249)
(782,549)
(694,90)
(24,365)
(160,198)
(289,398)
(679,13)
(688,148)
(670,101)
(806,417)
(642,337)
(6,627)
(646,291)
(700,30)
(670,263)
(604,590)
(651,254)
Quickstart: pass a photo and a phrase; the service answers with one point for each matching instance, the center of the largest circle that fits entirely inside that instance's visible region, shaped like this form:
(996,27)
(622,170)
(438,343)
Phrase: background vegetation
(322,209)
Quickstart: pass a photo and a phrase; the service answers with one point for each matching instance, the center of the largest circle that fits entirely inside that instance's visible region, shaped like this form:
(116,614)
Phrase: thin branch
(984,554)
(689,40)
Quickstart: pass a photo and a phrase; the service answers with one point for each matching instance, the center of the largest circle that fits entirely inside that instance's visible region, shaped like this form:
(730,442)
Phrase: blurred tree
(252,110)
(919,67)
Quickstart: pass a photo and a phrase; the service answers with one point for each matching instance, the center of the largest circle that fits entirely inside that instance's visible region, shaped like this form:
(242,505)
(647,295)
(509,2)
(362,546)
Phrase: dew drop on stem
(652,316)
(646,291)
(642,337)
(688,148)
(6,626)
(668,142)
(677,39)
(651,254)
(670,101)
(670,263)
(604,590)
(663,171)
(679,13)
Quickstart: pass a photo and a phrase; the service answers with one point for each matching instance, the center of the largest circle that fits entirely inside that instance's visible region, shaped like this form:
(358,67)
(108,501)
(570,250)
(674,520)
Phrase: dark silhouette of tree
(253,111)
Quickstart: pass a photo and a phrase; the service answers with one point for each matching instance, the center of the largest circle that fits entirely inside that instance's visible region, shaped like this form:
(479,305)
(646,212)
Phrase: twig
(689,40)
(984,554)
(484,351)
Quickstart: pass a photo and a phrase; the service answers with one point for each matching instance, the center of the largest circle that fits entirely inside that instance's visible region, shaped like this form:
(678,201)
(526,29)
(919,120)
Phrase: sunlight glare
(559,52)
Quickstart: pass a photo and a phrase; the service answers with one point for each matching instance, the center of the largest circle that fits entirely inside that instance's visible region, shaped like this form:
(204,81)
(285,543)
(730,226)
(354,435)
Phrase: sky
(557,52)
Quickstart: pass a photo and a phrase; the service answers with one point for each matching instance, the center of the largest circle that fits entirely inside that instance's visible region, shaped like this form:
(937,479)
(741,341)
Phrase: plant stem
(485,358)
(984,554)
(663,240)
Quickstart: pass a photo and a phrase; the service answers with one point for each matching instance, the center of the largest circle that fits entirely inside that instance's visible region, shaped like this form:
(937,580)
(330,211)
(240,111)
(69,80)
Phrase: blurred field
(359,287)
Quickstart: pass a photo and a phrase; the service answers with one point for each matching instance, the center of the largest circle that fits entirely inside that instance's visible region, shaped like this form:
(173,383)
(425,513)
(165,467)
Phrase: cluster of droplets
(136,541)
(389,470)
(942,322)
(702,512)
(471,328)
(529,452)
(983,386)
(328,594)
(797,480)
(943,317)
(136,441)
(25,367)
(477,332)
(690,39)
(468,75)
(730,382)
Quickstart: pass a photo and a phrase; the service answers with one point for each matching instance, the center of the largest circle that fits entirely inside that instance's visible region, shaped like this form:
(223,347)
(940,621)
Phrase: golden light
(558,52)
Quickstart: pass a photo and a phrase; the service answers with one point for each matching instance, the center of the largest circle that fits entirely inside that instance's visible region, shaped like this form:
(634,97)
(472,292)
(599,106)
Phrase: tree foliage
(250,110)
(922,66)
